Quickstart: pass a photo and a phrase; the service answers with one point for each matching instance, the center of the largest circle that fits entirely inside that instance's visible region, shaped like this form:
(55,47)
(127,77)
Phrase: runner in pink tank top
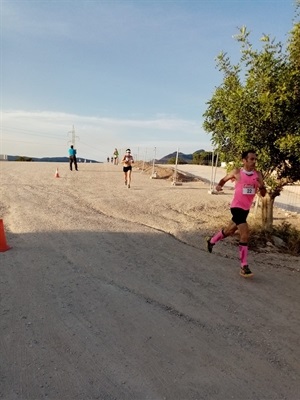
(245,189)
(247,182)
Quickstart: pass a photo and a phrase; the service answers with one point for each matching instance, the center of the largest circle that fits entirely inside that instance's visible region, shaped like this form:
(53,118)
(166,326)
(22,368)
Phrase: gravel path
(108,293)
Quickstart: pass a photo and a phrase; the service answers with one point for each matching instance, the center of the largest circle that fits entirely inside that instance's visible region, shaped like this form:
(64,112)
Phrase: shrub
(285,231)
(290,235)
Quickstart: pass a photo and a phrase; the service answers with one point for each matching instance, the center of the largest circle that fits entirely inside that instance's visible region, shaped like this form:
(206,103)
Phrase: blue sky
(124,73)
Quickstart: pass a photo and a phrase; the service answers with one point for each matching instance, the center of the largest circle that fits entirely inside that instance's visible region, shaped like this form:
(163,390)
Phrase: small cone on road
(3,245)
(56,173)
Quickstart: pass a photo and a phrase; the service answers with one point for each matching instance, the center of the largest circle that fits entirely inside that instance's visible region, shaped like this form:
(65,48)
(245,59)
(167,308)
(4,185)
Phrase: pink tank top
(245,190)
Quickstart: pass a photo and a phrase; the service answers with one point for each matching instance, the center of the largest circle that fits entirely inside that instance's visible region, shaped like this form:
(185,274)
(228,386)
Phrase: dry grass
(260,238)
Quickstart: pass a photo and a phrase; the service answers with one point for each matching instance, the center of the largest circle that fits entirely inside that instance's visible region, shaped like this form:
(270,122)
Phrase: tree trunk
(267,204)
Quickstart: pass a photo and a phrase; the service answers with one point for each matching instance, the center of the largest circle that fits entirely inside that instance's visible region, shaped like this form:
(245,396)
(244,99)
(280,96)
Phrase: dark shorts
(125,169)
(239,216)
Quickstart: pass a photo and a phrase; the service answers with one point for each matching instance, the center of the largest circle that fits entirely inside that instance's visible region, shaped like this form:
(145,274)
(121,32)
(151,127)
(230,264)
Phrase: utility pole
(72,141)
(153,165)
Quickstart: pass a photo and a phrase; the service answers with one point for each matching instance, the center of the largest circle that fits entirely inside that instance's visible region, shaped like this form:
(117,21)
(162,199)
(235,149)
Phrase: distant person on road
(247,182)
(112,159)
(72,158)
(107,159)
(116,157)
(127,162)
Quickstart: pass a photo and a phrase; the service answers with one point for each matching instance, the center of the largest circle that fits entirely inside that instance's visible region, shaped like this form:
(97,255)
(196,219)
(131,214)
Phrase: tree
(24,158)
(203,158)
(197,157)
(257,107)
(172,160)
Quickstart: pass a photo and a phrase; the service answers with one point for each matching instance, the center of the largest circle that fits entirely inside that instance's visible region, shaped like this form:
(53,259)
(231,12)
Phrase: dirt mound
(165,173)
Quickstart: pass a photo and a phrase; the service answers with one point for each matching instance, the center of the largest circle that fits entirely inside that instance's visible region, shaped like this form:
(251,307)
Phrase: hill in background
(48,159)
(188,158)
(182,157)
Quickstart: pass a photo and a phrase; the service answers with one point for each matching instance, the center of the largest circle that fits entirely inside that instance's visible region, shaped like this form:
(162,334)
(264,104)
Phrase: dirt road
(108,293)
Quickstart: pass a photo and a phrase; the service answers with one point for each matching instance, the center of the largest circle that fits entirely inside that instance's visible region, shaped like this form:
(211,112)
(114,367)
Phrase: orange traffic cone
(3,244)
(56,173)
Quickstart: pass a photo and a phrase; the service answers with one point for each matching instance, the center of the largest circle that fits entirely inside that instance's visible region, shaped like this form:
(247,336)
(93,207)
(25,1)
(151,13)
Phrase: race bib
(249,189)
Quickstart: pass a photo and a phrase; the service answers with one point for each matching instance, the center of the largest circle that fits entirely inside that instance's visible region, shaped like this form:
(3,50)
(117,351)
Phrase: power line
(93,147)
(28,141)
(30,133)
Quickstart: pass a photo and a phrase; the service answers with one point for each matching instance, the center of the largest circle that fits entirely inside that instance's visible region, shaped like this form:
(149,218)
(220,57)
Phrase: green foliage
(204,158)
(290,235)
(285,231)
(197,156)
(257,106)
(172,160)
(24,158)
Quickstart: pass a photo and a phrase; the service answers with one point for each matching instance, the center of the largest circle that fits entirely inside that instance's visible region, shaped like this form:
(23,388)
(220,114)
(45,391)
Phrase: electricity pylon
(72,141)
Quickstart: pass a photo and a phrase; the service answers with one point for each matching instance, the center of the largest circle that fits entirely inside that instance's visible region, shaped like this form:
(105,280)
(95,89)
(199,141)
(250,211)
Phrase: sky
(119,73)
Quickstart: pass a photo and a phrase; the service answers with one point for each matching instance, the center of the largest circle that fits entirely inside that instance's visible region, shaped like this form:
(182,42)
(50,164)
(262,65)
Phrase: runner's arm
(231,175)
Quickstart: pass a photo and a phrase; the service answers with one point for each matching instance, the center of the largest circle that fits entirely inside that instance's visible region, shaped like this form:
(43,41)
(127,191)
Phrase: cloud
(45,133)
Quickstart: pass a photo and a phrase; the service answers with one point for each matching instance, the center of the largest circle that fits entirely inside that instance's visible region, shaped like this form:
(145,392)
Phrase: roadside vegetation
(257,107)
(284,237)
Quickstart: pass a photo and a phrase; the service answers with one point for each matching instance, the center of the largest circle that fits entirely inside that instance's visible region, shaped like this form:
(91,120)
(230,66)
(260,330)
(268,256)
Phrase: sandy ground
(109,293)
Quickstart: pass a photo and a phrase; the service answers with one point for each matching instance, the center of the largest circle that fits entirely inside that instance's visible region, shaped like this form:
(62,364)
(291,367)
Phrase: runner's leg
(228,231)
(243,245)
(129,178)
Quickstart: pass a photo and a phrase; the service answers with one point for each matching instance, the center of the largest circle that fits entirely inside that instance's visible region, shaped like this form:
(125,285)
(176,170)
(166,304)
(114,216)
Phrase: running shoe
(128,186)
(245,272)
(209,245)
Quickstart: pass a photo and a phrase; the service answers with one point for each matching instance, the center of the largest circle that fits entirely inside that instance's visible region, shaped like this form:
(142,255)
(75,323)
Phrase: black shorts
(239,216)
(125,169)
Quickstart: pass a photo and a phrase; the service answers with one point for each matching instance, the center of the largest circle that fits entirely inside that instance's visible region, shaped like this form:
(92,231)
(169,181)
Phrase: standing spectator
(72,158)
(127,167)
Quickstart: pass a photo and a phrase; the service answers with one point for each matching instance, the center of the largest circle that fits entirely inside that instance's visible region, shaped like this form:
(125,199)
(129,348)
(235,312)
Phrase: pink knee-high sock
(218,236)
(243,249)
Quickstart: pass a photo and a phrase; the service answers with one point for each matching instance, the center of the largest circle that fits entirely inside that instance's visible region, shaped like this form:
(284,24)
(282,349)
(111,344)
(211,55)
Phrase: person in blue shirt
(72,158)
